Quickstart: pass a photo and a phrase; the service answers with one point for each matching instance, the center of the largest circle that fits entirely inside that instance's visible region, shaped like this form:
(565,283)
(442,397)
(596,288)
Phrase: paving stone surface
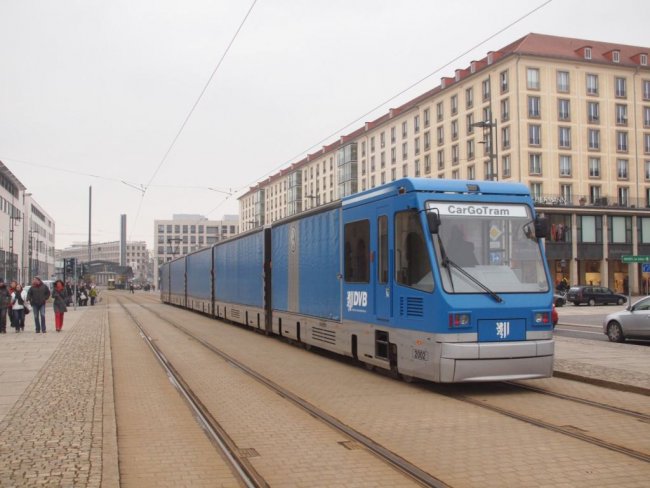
(53,434)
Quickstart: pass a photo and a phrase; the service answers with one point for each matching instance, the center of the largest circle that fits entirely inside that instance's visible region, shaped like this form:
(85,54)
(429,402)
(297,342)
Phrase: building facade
(185,233)
(568,117)
(137,255)
(38,241)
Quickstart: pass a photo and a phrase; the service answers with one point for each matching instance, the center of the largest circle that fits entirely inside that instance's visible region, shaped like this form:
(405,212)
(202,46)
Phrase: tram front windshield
(494,243)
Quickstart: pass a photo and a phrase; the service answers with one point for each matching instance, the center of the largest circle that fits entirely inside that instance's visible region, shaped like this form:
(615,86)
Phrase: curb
(612,385)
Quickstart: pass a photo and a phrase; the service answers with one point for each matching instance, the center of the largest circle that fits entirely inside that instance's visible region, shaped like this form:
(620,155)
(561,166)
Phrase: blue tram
(433,279)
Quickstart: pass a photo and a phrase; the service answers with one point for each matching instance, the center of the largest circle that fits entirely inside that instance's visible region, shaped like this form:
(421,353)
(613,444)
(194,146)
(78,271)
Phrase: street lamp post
(12,265)
(490,138)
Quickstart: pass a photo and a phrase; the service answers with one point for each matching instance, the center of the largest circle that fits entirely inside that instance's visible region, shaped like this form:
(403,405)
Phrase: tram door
(383,288)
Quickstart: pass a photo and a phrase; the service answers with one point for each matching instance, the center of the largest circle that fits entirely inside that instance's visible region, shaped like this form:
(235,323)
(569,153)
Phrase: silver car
(631,323)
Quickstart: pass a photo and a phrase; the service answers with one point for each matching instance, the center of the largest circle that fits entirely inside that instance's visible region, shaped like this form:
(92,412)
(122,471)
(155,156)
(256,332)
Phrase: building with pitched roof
(568,117)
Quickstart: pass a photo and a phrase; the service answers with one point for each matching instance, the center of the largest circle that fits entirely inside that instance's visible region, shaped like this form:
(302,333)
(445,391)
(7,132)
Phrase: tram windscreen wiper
(448,263)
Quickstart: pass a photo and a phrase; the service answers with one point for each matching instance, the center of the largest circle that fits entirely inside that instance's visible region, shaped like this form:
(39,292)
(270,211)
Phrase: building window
(416,124)
(536,191)
(427,163)
(587,53)
(427,140)
(455,154)
(646,117)
(594,167)
(505,166)
(405,151)
(470,149)
(405,170)
(593,111)
(161,229)
(372,149)
(469,120)
(622,169)
(372,164)
(454,104)
(566,192)
(382,159)
(505,109)
(382,140)
(593,136)
(416,166)
(533,78)
(485,89)
(621,114)
(646,89)
(393,155)
(621,141)
(590,229)
(563,81)
(621,88)
(534,109)
(441,135)
(503,81)
(393,174)
(565,165)
(469,98)
(616,56)
(535,164)
(646,166)
(563,109)
(534,134)
(471,172)
(455,175)
(505,137)
(383,177)
(416,146)
(564,137)
(454,129)
(487,114)
(623,196)
(441,159)
(592,84)
(440,111)
(356,252)
(427,117)
(393,136)
(594,194)
(404,129)
(643,60)
(646,143)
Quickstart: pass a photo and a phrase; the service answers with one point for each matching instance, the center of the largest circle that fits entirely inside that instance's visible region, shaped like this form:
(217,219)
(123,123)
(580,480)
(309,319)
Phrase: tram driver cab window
(412,265)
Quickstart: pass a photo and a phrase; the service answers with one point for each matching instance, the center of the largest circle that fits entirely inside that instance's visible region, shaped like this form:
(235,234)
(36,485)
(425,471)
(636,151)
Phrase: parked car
(559,300)
(554,316)
(631,323)
(594,295)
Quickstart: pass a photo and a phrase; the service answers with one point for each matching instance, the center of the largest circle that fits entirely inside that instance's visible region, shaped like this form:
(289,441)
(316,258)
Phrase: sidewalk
(54,410)
(622,366)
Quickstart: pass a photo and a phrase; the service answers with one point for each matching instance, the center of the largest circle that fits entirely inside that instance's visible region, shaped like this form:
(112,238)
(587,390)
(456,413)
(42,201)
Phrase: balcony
(577,201)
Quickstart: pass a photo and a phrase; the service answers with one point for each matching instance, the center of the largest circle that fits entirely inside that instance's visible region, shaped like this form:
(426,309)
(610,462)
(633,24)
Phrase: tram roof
(431,185)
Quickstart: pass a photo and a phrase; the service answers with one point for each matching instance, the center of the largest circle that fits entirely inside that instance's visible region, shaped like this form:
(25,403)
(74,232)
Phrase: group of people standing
(14,299)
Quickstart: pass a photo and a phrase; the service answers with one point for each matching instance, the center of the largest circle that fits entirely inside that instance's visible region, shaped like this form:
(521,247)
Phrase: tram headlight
(459,320)
(542,318)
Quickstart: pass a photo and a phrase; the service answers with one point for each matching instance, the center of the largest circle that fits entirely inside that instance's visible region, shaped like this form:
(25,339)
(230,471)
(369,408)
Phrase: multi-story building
(568,117)
(137,255)
(26,232)
(186,233)
(38,240)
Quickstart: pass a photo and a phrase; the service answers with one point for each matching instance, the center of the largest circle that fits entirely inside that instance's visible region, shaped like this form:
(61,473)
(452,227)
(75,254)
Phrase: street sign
(645,268)
(635,259)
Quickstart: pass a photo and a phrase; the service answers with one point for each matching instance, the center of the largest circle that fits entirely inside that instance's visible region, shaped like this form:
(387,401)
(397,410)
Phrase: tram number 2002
(420,354)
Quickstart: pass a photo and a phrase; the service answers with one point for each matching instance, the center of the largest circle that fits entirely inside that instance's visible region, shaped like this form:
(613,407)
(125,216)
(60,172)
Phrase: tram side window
(412,265)
(357,255)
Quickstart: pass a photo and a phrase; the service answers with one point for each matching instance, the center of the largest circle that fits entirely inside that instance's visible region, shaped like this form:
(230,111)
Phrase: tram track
(398,463)
(217,435)
(566,430)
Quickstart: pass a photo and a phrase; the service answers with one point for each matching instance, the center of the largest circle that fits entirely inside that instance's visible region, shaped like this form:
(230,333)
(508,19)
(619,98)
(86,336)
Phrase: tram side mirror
(542,228)
(433,220)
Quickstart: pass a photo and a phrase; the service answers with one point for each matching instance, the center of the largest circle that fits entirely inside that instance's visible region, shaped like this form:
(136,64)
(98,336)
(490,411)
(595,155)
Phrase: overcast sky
(102,87)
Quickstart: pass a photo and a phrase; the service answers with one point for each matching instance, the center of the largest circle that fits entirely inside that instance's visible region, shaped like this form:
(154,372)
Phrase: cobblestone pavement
(53,434)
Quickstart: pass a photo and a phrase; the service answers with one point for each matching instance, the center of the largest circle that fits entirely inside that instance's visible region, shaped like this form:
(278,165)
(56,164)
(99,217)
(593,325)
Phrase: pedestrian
(131,288)
(38,295)
(5,299)
(18,308)
(93,295)
(59,297)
